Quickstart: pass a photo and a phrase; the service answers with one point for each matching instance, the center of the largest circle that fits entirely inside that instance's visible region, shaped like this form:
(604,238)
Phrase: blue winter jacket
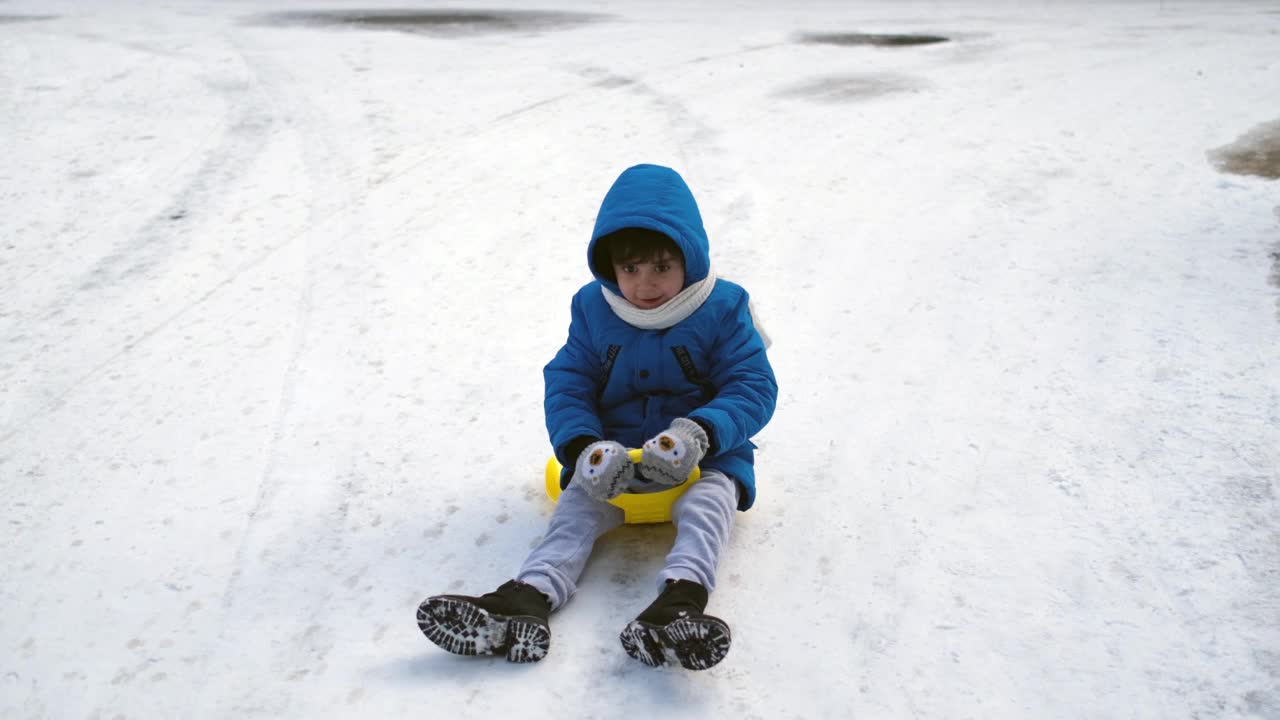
(614,381)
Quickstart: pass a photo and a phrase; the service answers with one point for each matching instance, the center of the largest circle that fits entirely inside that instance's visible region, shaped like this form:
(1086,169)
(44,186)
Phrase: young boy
(663,356)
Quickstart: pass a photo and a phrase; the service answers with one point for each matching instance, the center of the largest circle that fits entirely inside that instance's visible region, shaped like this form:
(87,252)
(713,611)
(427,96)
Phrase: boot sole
(691,643)
(464,629)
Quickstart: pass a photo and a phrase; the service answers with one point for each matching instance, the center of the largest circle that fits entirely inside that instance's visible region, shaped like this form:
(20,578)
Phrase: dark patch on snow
(872,39)
(1262,703)
(439,22)
(1274,277)
(613,81)
(851,88)
(1158,29)
(1257,152)
(7,19)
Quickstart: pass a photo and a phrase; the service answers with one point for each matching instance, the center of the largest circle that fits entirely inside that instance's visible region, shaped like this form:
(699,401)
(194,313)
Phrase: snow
(276,292)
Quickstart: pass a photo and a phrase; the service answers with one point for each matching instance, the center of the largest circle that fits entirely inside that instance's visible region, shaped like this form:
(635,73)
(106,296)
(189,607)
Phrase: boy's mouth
(650,304)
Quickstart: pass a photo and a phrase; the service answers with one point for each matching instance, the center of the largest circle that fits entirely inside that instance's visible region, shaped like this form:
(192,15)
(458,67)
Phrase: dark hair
(631,245)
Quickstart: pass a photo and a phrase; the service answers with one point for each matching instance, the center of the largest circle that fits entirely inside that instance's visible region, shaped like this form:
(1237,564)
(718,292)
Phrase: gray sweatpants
(703,517)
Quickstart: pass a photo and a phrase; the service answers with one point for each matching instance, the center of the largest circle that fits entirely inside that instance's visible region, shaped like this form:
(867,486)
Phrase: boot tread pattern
(691,643)
(464,629)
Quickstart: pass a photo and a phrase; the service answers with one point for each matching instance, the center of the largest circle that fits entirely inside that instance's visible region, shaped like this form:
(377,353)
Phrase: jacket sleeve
(572,387)
(746,389)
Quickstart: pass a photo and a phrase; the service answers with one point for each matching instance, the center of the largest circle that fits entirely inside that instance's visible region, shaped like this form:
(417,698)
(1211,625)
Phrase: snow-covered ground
(276,290)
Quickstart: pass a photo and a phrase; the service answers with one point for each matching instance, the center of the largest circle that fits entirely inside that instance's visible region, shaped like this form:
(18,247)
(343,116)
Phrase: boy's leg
(703,517)
(554,566)
(674,630)
(512,620)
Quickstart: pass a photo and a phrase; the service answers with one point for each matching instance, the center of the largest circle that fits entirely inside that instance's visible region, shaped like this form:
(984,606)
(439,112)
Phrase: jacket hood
(655,198)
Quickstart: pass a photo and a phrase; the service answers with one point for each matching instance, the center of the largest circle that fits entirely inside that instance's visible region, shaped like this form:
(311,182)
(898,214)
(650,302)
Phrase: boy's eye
(662,267)
(628,269)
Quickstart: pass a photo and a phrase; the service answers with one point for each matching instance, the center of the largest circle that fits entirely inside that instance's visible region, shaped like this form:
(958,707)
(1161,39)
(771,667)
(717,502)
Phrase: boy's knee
(715,491)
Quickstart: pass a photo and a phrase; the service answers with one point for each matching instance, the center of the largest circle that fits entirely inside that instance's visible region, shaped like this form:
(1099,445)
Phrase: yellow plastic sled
(637,508)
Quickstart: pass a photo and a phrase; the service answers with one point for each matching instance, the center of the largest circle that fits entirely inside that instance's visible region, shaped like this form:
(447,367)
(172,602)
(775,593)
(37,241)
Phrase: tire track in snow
(276,82)
(722,186)
(713,172)
(697,141)
(226,157)
(160,240)
(605,80)
(319,219)
(334,216)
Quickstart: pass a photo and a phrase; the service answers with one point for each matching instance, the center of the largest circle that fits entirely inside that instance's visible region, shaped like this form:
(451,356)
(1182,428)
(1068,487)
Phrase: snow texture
(278,280)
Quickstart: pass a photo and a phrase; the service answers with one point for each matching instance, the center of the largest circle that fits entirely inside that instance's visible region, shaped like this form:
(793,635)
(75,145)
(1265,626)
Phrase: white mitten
(604,470)
(670,457)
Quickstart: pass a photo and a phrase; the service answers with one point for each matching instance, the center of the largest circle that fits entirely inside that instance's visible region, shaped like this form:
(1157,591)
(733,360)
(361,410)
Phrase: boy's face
(648,284)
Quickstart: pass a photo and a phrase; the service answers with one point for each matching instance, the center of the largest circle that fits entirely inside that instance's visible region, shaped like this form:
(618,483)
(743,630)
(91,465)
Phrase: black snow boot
(674,630)
(511,621)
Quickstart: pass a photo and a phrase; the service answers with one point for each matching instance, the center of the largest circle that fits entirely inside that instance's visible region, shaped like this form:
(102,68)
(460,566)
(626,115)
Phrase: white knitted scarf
(668,313)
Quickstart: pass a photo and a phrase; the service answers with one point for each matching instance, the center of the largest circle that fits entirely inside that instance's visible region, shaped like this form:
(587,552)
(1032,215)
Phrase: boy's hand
(604,469)
(670,457)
